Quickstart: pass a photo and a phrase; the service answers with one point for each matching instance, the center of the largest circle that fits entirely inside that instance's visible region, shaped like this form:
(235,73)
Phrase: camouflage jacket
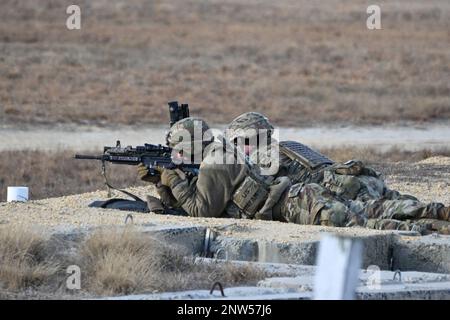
(220,190)
(351,180)
(209,194)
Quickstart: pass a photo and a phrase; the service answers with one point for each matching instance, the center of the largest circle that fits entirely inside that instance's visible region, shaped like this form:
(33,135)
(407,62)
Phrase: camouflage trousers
(314,204)
(355,187)
(354,181)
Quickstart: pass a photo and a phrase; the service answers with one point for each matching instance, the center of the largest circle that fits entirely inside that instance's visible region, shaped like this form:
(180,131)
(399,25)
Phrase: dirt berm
(265,241)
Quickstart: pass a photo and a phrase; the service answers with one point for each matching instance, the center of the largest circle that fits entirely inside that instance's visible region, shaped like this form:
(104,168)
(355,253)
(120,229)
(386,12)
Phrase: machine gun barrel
(87,157)
(131,159)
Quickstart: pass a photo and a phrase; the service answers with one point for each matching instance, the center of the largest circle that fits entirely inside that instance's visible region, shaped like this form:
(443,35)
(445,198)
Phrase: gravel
(428,180)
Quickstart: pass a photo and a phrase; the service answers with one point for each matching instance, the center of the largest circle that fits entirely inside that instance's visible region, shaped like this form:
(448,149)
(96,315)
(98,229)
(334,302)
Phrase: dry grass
(123,262)
(126,261)
(297,61)
(112,262)
(52,174)
(25,259)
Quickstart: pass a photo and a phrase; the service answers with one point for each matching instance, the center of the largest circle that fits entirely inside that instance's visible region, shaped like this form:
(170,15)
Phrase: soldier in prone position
(352,184)
(238,190)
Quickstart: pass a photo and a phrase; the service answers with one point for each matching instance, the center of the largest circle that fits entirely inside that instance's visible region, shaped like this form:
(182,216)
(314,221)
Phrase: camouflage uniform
(339,194)
(350,180)
(314,204)
(237,190)
(208,194)
(216,190)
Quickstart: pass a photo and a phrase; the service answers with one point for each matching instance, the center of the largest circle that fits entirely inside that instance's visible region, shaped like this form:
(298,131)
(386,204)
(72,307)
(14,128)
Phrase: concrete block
(428,253)
(376,250)
(189,238)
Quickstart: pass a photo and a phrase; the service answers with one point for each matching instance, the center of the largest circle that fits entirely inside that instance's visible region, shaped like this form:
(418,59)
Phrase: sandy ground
(409,138)
(428,180)
(68,213)
(71,211)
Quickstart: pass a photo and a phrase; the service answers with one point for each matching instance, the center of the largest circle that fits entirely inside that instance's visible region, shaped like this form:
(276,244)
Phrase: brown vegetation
(111,261)
(25,261)
(126,262)
(298,61)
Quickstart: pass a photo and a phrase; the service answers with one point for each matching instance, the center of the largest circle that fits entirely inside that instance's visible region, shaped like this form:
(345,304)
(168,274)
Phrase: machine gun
(151,155)
(154,157)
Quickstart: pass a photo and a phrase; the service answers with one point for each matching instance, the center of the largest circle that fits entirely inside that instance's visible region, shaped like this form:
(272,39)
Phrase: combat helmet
(188,134)
(240,126)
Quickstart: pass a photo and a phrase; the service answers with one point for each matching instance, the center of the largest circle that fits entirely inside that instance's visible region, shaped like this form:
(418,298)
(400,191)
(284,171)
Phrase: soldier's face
(245,145)
(183,158)
(248,149)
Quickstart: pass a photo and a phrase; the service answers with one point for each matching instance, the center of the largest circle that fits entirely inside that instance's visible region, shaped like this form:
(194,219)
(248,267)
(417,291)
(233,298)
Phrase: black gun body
(152,156)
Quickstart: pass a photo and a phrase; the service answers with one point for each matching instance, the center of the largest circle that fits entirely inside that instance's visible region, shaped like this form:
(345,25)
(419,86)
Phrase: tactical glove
(144,174)
(166,196)
(170,177)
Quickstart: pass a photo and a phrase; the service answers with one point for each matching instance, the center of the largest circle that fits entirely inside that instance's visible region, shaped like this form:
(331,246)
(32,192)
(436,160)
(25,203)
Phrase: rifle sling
(114,188)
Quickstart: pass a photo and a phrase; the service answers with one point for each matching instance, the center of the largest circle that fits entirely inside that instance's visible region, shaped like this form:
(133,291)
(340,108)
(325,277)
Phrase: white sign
(338,267)
(17,194)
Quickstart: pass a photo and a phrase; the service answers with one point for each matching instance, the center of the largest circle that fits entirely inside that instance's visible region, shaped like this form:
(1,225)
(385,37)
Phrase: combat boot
(443,213)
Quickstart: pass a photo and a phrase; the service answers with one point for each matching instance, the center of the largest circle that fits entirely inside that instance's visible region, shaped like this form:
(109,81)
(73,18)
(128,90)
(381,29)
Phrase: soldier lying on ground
(351,180)
(238,190)
(344,181)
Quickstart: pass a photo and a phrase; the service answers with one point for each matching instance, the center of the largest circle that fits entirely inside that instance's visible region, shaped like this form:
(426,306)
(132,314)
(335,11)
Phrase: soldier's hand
(166,195)
(170,177)
(145,175)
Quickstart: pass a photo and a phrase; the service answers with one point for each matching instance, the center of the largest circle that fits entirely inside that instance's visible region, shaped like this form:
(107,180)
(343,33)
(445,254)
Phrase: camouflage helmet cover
(249,120)
(196,128)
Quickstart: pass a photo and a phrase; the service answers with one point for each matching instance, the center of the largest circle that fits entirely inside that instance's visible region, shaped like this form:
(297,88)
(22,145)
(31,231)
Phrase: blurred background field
(312,67)
(300,62)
